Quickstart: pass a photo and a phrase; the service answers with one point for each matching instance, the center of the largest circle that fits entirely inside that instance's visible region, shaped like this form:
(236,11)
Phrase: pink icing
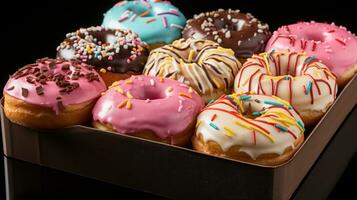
(87,88)
(334,46)
(159,106)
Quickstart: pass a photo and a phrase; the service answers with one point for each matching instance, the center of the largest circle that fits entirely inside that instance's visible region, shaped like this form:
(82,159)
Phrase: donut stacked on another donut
(154,108)
(156,22)
(252,128)
(52,94)
(301,80)
(232,29)
(332,45)
(202,64)
(116,54)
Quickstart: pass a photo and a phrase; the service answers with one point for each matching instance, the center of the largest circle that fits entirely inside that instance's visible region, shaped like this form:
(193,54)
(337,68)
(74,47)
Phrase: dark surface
(33,29)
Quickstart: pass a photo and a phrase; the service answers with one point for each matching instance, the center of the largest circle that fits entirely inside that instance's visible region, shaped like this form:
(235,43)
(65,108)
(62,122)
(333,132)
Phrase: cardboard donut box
(171,171)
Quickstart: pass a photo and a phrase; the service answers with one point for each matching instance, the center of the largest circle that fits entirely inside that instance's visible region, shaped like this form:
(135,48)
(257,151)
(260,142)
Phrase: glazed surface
(117,51)
(141,103)
(334,45)
(241,32)
(55,83)
(154,21)
(202,64)
(258,124)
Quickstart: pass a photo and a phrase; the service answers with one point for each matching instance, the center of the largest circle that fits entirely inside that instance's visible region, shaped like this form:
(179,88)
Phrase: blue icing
(153,32)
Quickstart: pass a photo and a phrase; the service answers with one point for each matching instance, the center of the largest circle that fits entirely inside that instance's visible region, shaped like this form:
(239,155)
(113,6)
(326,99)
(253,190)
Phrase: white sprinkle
(260,31)
(152,82)
(132,18)
(228,34)
(239,42)
(176,26)
(219,40)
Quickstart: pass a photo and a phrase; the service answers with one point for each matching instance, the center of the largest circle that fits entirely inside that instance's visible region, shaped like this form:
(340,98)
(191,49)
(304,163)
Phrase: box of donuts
(212,104)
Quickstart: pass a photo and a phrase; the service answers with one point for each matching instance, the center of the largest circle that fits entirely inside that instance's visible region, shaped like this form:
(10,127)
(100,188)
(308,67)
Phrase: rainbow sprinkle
(150,20)
(164,21)
(185,95)
(301,124)
(273,103)
(128,82)
(177,26)
(211,101)
(282,128)
(128,94)
(129,105)
(118,89)
(213,117)
(244,98)
(214,126)
(308,88)
(123,103)
(229,130)
(123,18)
(309,59)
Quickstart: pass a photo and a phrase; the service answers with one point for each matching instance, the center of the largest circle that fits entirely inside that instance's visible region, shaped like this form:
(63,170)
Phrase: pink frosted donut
(52,93)
(154,108)
(334,46)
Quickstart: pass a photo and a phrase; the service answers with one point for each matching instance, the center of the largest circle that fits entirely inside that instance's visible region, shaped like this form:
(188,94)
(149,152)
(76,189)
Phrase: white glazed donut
(307,84)
(253,128)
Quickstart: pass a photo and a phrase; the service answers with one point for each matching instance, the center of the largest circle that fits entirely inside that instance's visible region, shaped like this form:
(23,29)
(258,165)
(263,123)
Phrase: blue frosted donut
(154,21)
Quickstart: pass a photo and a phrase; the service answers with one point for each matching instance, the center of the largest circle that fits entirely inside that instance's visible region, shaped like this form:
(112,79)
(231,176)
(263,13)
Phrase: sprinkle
(190,55)
(128,94)
(147,101)
(229,130)
(287,77)
(213,117)
(177,26)
(190,90)
(309,59)
(132,18)
(146,3)
(273,103)
(115,83)
(102,70)
(169,89)
(244,98)
(161,79)
(150,20)
(282,128)
(144,13)
(24,92)
(257,113)
(128,82)
(340,41)
(211,101)
(118,89)
(301,124)
(164,21)
(185,95)
(129,105)
(152,82)
(198,123)
(169,13)
(214,126)
(123,103)
(102,93)
(179,108)
(39,90)
(308,88)
(123,18)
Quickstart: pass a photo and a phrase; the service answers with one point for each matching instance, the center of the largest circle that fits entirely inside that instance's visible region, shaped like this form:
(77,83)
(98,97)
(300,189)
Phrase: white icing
(300,99)
(244,136)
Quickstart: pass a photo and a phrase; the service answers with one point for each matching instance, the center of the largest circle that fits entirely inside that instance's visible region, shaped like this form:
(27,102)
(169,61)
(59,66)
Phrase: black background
(33,29)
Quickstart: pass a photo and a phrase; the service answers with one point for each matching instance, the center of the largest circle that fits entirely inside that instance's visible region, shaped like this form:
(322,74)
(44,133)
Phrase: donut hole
(149,92)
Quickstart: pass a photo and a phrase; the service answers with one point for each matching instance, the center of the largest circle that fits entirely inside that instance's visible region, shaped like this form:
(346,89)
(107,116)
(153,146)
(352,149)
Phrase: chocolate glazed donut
(120,53)
(241,32)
